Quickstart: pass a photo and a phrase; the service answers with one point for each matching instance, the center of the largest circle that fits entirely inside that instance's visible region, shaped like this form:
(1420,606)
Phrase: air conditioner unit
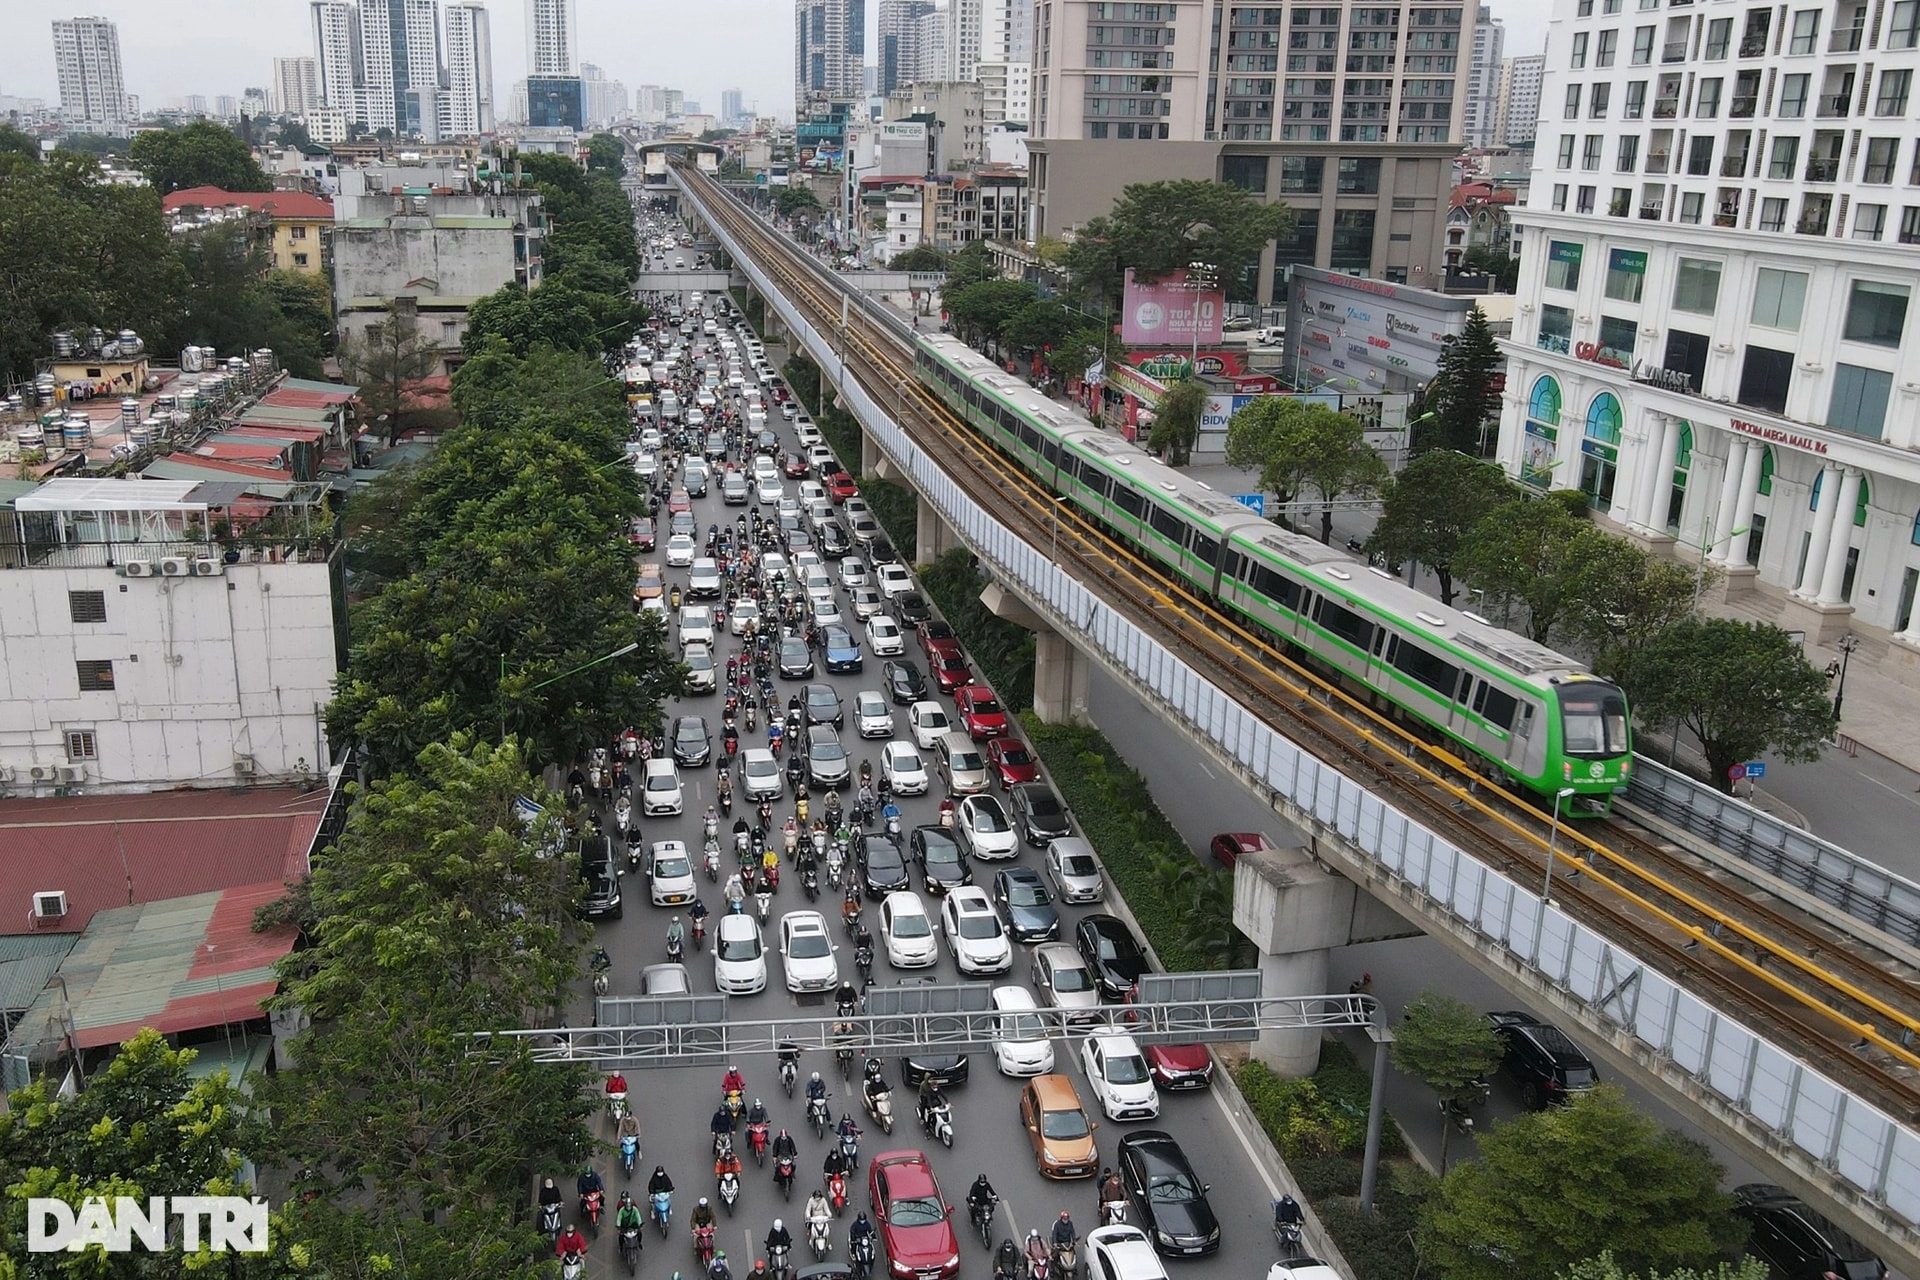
(206,567)
(175,567)
(137,568)
(50,904)
(41,773)
(244,766)
(69,773)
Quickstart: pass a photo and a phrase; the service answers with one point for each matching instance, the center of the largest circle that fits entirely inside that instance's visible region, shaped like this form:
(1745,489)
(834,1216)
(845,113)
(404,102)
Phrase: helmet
(1033,1233)
(776,1224)
(733,1068)
(676,919)
(703,1202)
(756,1102)
(816,1080)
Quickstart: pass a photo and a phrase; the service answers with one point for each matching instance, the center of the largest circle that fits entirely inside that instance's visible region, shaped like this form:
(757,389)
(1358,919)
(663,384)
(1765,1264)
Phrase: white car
(739,957)
(985,829)
(1301,1269)
(907,931)
(680,551)
(866,602)
(764,466)
(821,458)
(745,609)
(902,765)
(760,775)
(819,584)
(696,625)
(873,714)
(660,791)
(650,440)
(812,491)
(855,506)
(669,873)
(788,411)
(1020,1044)
(975,935)
(1124,1253)
(807,433)
(806,952)
(701,677)
(1118,1072)
(884,637)
(703,579)
(769,490)
(827,614)
(928,723)
(894,580)
(853,572)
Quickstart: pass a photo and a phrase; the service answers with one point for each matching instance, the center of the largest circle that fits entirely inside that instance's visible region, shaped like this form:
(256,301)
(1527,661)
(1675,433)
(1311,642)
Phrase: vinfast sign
(1367,335)
(1168,311)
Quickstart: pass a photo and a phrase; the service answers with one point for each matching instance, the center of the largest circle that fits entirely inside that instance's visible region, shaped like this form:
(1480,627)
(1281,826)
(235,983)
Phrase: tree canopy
(789,201)
(1176,421)
(1299,446)
(1607,1267)
(1465,395)
(1159,227)
(203,154)
(606,154)
(922,257)
(232,301)
(1427,510)
(979,311)
(1520,553)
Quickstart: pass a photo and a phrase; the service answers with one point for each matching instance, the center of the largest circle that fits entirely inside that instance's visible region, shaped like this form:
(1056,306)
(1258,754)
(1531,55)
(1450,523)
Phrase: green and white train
(1530,714)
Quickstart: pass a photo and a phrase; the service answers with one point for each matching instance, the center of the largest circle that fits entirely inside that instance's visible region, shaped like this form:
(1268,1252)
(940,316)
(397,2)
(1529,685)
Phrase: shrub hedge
(895,506)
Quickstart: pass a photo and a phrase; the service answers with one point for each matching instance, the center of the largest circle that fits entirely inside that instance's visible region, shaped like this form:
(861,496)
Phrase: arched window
(1682,464)
(1860,507)
(1541,449)
(1766,471)
(1600,449)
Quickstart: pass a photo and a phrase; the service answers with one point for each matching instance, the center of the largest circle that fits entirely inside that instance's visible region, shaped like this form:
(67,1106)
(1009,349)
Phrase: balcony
(1846,40)
(1734,166)
(1811,224)
(1657,162)
(1822,170)
(1754,46)
(1666,108)
(1618,208)
(1743,106)
(1726,219)
(1834,104)
(1674,51)
(1650,212)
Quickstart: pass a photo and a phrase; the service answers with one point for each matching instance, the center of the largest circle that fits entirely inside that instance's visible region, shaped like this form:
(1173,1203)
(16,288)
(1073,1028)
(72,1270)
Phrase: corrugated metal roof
(26,963)
(293,387)
(183,466)
(319,417)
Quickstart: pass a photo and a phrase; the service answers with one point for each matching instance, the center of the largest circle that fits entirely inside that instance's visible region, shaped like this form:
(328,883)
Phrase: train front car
(1593,744)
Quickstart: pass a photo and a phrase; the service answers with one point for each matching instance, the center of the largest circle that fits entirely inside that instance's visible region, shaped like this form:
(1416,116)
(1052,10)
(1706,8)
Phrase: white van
(1020,1044)
(669,407)
(961,764)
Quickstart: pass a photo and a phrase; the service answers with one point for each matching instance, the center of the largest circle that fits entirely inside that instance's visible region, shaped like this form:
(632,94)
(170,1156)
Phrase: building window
(1300,175)
(1359,177)
(1696,286)
(1682,464)
(1785,152)
(1719,35)
(1597,104)
(1806,31)
(1628,158)
(1869,221)
(1352,247)
(1773,214)
(1700,156)
(1892,99)
(1766,376)
(1563,265)
(1910,224)
(1543,434)
(1559,197)
(1572,109)
(1903,29)
(1626,274)
(95,676)
(1617,336)
(1858,405)
(1583,200)
(1603,50)
(87,606)
(1707,105)
(1778,297)
(299,259)
(299,233)
(1600,449)
(81,745)
(1793,96)
(1566,151)
(1643,45)
(1687,353)
(1882,155)
(1876,313)
(1691,203)
(1556,329)
(1579,50)
(1636,99)
(1590,152)
(1249,173)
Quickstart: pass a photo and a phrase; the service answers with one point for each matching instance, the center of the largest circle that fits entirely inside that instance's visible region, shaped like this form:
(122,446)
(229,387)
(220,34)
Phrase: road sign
(1735,772)
(1254,502)
(1756,769)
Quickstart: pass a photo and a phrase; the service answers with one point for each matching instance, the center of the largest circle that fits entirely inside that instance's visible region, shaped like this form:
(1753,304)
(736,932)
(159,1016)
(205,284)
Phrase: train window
(1050,450)
(973,396)
(1277,587)
(1345,623)
(1430,669)
(1495,706)
(1207,548)
(1167,524)
(1128,500)
(1029,437)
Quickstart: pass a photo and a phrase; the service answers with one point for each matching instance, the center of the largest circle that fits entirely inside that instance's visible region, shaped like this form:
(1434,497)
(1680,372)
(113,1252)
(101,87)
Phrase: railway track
(1798,979)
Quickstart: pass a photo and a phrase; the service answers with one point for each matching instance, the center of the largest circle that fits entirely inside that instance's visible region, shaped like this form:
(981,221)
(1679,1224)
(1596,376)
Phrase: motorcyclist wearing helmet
(1036,1250)
(733,1081)
(718,1268)
(570,1244)
(981,1194)
(816,1087)
(779,1237)
(727,1161)
(1286,1212)
(783,1146)
(589,1181)
(702,1215)
(627,1214)
(930,1096)
(860,1229)
(676,935)
(1063,1233)
(722,1122)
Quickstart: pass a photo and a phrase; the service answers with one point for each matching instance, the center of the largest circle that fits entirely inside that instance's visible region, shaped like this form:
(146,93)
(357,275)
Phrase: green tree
(1554,1187)
(1619,597)
(921,257)
(1074,354)
(791,201)
(1428,508)
(1208,930)
(1299,446)
(223,303)
(1505,270)
(293,133)
(1522,553)
(1447,1045)
(1465,394)
(553,315)
(384,362)
(15,143)
(968,267)
(1176,421)
(438,916)
(1606,1267)
(1744,689)
(980,311)
(204,154)
(1159,227)
(562,392)
(606,154)
(1038,325)
(301,327)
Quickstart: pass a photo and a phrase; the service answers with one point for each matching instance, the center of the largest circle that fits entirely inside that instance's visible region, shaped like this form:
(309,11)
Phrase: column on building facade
(1656,474)
(1729,503)
(1822,532)
(1833,576)
(1643,481)
(1741,536)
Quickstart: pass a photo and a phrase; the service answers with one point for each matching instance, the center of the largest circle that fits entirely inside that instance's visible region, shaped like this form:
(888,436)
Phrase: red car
(980,712)
(915,1223)
(795,467)
(840,487)
(642,533)
(1229,845)
(950,670)
(1179,1066)
(936,636)
(1011,762)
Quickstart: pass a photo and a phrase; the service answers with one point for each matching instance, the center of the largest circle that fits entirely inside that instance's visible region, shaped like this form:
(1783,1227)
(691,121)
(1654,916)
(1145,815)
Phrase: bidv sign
(221,1224)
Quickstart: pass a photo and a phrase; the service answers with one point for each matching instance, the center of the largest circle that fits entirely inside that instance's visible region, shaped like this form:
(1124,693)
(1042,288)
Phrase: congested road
(674,1104)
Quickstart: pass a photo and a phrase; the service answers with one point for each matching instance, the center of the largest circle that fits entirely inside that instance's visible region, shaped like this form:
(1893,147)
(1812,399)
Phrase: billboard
(1170,310)
(556,102)
(1219,411)
(1367,335)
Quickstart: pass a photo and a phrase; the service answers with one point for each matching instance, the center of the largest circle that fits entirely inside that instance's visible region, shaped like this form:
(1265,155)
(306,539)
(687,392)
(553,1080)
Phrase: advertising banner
(1367,335)
(1169,310)
(1219,411)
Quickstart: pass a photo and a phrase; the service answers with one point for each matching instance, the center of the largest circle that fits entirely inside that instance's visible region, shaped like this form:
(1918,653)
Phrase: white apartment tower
(963,40)
(931,63)
(1006,59)
(1520,98)
(1483,80)
(552,28)
(830,40)
(86,57)
(336,56)
(1716,334)
(900,43)
(469,69)
(296,86)
(374,95)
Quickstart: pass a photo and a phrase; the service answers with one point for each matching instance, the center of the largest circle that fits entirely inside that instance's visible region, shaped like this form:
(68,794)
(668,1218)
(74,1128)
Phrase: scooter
(629,1153)
(729,1190)
(676,950)
(817,1116)
(1288,1237)
(550,1221)
(777,1263)
(735,1102)
(789,1072)
(757,1140)
(820,1236)
(1066,1257)
(837,1192)
(703,1246)
(810,881)
(573,1266)
(763,904)
(630,1248)
(860,1254)
(850,1148)
(616,1108)
(783,1176)
(835,865)
(601,983)
(662,1209)
(622,813)
(938,1123)
(863,958)
(590,1205)
(1113,1213)
(713,860)
(699,933)
(880,1107)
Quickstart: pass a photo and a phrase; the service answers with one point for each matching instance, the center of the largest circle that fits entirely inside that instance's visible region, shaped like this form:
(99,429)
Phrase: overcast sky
(171,48)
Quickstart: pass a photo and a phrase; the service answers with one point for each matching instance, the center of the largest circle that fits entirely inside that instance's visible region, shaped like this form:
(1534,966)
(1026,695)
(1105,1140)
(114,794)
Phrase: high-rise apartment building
(86,58)
(606,100)
(296,86)
(930,62)
(732,105)
(552,28)
(963,40)
(374,93)
(1483,80)
(1349,112)
(830,42)
(899,47)
(1716,325)
(338,66)
(469,69)
(1006,59)
(1520,98)
(419,70)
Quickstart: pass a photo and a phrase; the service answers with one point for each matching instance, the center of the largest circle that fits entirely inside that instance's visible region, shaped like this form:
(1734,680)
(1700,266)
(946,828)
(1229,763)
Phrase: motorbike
(863,958)
(1113,1213)
(662,1209)
(1455,1112)
(699,932)
(763,904)
(676,949)
(550,1220)
(820,1236)
(630,1248)
(601,983)
(712,825)
(850,1148)
(938,1123)
(880,1107)
(711,857)
(736,1103)
(1006,1263)
(817,1116)
(1287,1236)
(890,815)
(777,1263)
(790,834)
(860,1254)
(757,1140)
(810,881)
(982,1215)
(616,1108)
(837,1192)
(729,1190)
(573,1266)
(789,1072)
(1066,1257)
(703,1245)
(726,794)
(629,1152)
(622,813)
(835,865)
(771,874)
(590,1205)
(783,1176)
(850,914)
(1037,1268)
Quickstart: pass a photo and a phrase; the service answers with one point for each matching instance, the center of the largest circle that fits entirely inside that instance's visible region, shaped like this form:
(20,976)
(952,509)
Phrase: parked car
(1547,1065)
(1798,1241)
(1111,952)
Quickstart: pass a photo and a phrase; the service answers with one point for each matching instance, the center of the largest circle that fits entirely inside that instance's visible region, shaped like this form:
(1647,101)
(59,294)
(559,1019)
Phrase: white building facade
(86,57)
(1483,80)
(469,69)
(296,86)
(1715,334)
(552,28)
(133,656)
(336,56)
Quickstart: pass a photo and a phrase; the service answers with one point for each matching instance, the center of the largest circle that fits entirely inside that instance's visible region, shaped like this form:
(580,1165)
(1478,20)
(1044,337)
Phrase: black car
(882,865)
(1799,1242)
(1549,1067)
(692,744)
(1038,813)
(1025,905)
(796,660)
(947,1069)
(942,865)
(1115,958)
(880,551)
(833,539)
(823,706)
(1170,1199)
(905,684)
(602,900)
(911,609)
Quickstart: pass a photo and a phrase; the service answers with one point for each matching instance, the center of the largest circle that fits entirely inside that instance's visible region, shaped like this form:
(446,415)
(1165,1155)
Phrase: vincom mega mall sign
(1366,335)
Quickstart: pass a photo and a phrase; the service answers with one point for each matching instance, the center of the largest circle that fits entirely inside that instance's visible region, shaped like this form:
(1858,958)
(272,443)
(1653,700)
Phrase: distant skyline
(1526,24)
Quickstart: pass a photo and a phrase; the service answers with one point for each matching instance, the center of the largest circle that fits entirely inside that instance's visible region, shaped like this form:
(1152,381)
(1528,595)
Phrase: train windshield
(1593,719)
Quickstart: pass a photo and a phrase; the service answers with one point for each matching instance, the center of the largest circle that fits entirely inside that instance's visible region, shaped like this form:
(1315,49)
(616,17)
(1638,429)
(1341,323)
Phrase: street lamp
(1848,643)
(1546,888)
(1200,279)
(621,652)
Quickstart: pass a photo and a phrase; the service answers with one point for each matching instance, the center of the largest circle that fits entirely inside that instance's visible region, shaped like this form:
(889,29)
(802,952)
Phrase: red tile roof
(116,851)
(281,204)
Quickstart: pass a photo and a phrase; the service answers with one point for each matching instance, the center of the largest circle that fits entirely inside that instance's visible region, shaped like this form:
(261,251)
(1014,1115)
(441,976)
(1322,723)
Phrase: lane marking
(1253,1156)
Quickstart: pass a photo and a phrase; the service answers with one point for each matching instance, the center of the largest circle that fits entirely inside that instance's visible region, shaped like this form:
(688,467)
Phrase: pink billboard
(1169,310)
